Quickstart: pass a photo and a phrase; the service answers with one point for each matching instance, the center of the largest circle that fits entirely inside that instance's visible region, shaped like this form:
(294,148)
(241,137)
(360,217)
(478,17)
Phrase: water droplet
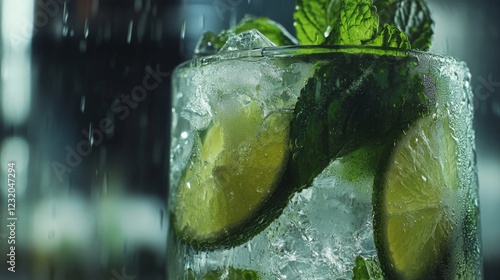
(65,31)
(129,32)
(82,104)
(86,29)
(91,135)
(327,31)
(183,30)
(65,12)
(72,33)
(414,60)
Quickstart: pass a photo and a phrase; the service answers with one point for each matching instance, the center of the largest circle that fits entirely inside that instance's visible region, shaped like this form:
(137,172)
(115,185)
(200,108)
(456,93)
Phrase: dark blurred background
(85,114)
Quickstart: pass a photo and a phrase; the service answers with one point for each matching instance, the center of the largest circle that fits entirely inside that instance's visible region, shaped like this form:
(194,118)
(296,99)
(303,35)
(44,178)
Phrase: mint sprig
(403,24)
(359,25)
(410,16)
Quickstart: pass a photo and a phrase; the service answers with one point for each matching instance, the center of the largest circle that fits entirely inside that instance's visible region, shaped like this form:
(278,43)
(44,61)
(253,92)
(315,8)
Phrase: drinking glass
(323,163)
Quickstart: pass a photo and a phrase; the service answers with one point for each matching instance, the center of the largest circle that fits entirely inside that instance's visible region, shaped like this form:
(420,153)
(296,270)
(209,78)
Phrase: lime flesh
(234,169)
(416,200)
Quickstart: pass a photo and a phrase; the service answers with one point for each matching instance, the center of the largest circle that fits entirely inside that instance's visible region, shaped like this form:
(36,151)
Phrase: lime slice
(233,173)
(416,199)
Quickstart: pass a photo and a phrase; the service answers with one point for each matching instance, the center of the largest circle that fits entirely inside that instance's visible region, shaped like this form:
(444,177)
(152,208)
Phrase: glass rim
(310,50)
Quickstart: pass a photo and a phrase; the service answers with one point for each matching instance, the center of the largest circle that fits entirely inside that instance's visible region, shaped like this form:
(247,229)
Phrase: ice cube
(247,40)
(208,44)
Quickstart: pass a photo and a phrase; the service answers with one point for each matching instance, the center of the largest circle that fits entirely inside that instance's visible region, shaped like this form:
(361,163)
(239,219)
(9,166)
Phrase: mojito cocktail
(347,155)
(323,163)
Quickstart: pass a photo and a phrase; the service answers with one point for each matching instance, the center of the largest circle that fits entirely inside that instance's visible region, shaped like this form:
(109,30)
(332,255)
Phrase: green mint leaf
(211,43)
(315,19)
(358,23)
(367,269)
(411,16)
(359,26)
(334,115)
(390,37)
